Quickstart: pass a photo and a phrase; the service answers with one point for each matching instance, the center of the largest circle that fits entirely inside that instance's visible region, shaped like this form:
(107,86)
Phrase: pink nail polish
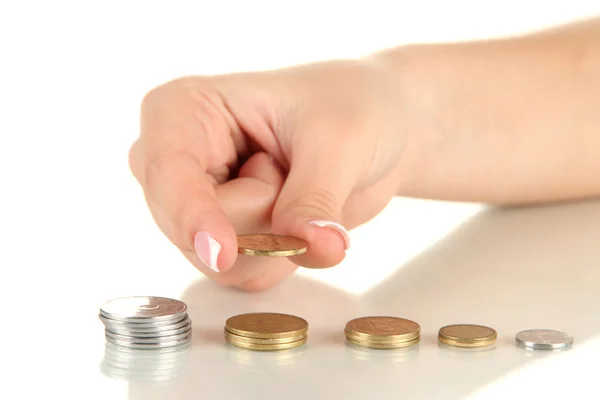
(336,226)
(207,249)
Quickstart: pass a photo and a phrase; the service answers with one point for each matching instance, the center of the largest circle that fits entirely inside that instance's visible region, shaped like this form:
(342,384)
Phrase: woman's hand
(303,151)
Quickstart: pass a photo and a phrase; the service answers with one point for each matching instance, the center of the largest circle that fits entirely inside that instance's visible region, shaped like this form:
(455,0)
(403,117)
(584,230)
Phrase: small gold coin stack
(266,331)
(467,335)
(382,332)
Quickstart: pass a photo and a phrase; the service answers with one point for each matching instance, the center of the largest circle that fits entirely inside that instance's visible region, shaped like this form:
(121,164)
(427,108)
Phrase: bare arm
(503,121)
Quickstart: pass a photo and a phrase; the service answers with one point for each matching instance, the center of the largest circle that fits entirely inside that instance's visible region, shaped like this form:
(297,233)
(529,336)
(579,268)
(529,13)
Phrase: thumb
(311,201)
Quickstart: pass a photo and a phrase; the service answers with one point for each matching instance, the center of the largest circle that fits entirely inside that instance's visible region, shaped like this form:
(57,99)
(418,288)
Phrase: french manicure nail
(207,249)
(336,226)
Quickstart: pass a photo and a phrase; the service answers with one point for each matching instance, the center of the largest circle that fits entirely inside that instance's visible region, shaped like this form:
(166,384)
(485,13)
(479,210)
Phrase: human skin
(505,121)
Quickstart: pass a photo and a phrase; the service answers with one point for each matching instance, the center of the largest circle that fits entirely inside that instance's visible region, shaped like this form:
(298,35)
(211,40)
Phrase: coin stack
(467,335)
(382,332)
(266,331)
(144,322)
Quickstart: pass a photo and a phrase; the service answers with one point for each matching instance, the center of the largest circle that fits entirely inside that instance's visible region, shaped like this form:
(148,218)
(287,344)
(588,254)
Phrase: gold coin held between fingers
(467,335)
(270,245)
(266,325)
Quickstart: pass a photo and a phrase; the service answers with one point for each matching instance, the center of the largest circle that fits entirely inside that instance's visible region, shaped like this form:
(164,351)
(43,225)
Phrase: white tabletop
(75,230)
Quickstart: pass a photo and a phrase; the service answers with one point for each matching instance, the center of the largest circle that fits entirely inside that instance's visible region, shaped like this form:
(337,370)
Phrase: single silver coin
(142,323)
(149,346)
(544,339)
(143,308)
(165,330)
(149,340)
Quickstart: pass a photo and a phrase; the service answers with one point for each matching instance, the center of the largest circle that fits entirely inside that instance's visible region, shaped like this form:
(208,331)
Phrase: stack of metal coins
(144,322)
(544,339)
(382,332)
(266,331)
(467,335)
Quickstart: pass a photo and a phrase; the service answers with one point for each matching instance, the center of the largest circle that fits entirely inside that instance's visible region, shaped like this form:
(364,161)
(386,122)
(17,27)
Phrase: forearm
(504,121)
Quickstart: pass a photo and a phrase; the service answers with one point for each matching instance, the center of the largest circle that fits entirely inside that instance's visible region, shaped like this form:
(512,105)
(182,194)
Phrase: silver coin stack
(144,322)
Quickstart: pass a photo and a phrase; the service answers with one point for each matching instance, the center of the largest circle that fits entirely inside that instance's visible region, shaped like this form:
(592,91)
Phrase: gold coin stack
(467,335)
(266,331)
(382,332)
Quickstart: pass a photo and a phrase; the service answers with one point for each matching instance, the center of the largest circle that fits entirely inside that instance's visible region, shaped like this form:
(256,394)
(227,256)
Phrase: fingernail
(207,249)
(336,226)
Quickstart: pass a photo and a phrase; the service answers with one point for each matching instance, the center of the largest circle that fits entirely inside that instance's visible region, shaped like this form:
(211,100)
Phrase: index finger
(179,185)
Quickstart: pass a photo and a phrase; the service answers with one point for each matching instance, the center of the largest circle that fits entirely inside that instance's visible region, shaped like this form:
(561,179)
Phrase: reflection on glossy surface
(158,365)
(461,351)
(507,269)
(539,353)
(385,356)
(265,360)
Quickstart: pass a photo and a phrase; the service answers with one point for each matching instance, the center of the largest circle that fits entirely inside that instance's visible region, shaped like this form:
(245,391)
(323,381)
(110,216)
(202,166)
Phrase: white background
(75,230)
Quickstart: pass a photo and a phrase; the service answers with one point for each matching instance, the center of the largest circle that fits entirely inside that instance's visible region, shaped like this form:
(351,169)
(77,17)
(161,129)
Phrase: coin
(266,325)
(142,323)
(382,332)
(383,344)
(270,245)
(264,347)
(143,308)
(544,339)
(467,335)
(379,339)
(383,328)
(165,330)
(146,322)
(252,340)
(160,345)
(154,334)
(146,339)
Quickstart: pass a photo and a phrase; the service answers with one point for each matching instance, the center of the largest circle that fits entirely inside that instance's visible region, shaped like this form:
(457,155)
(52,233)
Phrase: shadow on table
(511,269)
(214,369)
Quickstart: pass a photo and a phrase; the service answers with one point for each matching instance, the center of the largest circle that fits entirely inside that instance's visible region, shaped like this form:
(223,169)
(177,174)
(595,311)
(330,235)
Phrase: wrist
(408,73)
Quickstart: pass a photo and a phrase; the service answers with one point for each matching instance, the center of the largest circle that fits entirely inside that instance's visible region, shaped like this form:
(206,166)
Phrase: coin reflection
(265,359)
(473,351)
(538,353)
(156,365)
(382,355)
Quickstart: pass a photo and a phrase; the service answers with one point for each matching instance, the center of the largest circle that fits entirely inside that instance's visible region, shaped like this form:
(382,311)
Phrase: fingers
(311,201)
(248,202)
(177,184)
(177,122)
